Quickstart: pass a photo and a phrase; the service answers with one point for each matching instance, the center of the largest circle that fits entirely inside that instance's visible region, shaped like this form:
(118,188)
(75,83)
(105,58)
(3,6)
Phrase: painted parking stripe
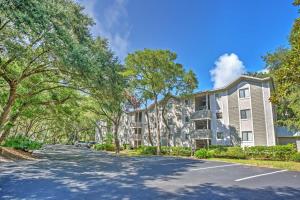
(218,166)
(258,175)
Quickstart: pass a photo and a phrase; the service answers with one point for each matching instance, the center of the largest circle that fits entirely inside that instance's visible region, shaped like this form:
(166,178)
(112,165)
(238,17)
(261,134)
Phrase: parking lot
(65,172)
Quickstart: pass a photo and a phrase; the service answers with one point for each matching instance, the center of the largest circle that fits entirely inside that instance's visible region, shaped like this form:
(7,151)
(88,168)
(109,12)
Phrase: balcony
(201,114)
(136,124)
(201,134)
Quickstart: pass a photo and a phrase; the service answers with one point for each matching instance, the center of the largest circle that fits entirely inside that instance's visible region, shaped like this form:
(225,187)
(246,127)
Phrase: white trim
(258,175)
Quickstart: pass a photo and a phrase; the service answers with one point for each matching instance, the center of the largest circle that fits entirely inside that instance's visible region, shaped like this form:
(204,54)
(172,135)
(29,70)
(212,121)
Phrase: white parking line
(218,166)
(258,175)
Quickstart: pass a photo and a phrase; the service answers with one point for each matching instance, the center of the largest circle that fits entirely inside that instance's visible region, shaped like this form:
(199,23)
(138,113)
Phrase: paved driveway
(66,172)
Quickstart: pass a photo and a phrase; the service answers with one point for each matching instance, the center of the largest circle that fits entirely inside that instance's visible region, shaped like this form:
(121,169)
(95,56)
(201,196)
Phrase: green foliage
(172,151)
(229,152)
(154,74)
(22,142)
(284,65)
(180,151)
(146,150)
(296,157)
(278,152)
(202,153)
(104,147)
(108,138)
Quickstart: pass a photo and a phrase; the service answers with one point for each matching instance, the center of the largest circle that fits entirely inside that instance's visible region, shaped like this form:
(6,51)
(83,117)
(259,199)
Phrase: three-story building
(237,114)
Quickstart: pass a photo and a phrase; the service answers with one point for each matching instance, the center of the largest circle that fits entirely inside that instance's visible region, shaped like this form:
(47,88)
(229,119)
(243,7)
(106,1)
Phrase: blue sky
(217,39)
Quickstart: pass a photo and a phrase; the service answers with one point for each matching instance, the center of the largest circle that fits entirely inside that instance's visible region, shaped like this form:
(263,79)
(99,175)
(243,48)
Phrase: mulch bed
(10,154)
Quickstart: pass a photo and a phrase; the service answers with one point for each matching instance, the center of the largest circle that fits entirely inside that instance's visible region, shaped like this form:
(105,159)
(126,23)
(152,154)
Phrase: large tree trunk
(149,128)
(157,126)
(7,109)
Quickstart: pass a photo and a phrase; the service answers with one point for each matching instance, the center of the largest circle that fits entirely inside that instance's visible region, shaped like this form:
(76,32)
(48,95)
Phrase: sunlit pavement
(66,172)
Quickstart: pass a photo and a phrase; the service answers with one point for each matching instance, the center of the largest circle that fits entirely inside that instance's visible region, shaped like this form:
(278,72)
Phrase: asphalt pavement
(67,172)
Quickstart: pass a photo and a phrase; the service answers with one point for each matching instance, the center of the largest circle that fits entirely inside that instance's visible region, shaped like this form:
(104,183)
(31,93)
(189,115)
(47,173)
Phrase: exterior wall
(259,126)
(234,115)
(269,115)
(182,132)
(219,103)
(245,104)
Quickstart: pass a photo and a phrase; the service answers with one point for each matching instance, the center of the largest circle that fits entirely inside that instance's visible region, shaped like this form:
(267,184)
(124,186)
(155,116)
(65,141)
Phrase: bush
(180,151)
(278,152)
(296,157)
(228,152)
(202,153)
(104,147)
(22,142)
(147,150)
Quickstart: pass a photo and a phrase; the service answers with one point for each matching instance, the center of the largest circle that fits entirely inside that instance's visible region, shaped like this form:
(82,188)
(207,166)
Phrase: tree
(44,40)
(154,74)
(284,65)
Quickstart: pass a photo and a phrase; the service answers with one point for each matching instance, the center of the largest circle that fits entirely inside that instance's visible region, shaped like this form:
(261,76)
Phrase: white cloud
(110,23)
(227,68)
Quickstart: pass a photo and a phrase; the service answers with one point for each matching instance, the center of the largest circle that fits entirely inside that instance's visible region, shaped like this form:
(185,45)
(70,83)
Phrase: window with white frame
(245,114)
(220,135)
(244,93)
(247,136)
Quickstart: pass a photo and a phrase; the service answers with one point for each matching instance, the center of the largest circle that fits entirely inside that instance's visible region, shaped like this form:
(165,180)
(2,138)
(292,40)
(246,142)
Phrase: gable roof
(231,84)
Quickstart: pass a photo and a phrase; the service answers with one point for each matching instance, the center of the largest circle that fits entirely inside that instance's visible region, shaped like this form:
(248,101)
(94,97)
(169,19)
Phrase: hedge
(278,152)
(104,147)
(172,151)
(22,142)
(203,153)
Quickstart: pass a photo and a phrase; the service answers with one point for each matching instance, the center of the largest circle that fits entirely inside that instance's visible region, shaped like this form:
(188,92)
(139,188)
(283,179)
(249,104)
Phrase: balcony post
(206,102)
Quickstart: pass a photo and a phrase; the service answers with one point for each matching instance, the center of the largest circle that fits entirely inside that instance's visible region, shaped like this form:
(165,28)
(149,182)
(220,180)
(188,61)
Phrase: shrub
(278,152)
(202,153)
(22,142)
(180,151)
(228,152)
(296,157)
(147,150)
(104,147)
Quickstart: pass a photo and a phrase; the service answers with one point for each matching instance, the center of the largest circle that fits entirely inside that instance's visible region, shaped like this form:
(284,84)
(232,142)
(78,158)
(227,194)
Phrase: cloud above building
(227,68)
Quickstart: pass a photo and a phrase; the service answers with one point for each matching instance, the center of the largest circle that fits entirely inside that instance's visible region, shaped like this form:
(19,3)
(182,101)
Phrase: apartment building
(237,114)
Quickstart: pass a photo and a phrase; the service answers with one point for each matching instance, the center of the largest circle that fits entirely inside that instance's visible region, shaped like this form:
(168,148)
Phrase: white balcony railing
(201,114)
(202,134)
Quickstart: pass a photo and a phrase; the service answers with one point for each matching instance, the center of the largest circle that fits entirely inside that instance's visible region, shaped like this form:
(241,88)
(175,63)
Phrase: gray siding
(234,116)
(259,126)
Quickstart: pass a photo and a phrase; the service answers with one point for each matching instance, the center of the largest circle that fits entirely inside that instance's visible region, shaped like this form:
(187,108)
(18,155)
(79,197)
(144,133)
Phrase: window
(244,93)
(186,136)
(245,114)
(187,102)
(219,115)
(220,135)
(247,136)
(138,117)
(187,119)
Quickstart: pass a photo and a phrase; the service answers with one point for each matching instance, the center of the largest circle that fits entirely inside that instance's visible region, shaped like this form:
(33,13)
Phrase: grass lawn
(293,166)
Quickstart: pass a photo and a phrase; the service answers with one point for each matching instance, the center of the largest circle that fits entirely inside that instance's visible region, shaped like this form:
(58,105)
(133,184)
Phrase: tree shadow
(84,174)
